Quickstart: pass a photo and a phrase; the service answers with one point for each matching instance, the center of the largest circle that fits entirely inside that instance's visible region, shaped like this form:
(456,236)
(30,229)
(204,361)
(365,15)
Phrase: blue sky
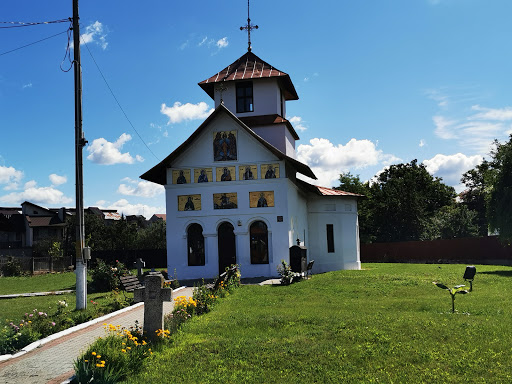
(380,82)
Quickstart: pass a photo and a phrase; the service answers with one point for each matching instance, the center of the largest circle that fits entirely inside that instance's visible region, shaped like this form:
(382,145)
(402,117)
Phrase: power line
(35,42)
(118,104)
(19,24)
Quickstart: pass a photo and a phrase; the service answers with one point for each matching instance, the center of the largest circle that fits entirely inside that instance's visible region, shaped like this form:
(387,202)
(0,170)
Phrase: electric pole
(81,263)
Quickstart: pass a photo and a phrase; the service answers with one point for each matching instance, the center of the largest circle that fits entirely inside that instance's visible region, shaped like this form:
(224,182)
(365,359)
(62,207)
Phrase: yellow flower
(93,353)
(128,348)
(123,350)
(98,356)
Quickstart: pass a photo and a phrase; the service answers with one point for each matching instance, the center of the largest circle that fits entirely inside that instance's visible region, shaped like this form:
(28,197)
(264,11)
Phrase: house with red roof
(233,194)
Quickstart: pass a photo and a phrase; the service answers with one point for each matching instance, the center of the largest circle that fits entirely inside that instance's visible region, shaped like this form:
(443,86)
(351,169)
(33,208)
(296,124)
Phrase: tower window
(244,99)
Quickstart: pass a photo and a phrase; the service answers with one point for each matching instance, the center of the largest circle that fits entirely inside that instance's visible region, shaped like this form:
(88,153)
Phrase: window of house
(330,238)
(244,99)
(195,245)
(259,243)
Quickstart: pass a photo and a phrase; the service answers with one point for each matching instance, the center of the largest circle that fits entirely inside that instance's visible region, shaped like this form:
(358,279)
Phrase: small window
(195,245)
(259,243)
(330,238)
(244,99)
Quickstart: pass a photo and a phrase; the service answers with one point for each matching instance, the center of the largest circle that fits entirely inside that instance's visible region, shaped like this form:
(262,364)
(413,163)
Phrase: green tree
(499,207)
(404,198)
(152,237)
(451,221)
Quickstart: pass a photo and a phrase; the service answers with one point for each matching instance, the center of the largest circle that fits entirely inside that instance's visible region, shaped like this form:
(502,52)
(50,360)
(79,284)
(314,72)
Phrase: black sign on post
(469,275)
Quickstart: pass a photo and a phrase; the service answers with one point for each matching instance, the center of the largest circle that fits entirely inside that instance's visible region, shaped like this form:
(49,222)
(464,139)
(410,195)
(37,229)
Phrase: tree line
(406,203)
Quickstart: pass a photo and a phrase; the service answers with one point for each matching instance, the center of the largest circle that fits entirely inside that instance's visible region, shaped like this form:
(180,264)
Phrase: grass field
(384,324)
(37,283)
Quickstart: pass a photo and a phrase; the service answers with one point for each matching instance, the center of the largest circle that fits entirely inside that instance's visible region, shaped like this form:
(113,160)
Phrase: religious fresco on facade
(225,200)
(270,171)
(189,203)
(261,199)
(203,175)
(224,146)
(181,176)
(226,173)
(248,172)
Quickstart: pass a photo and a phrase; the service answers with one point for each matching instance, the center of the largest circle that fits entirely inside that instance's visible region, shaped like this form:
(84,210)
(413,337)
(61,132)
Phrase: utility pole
(81,263)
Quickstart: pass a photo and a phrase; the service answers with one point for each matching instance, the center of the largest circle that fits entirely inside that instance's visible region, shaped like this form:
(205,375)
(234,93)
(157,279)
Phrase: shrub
(286,273)
(106,277)
(12,268)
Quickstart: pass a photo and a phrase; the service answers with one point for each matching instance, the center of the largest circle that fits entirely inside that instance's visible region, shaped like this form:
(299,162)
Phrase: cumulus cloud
(451,167)
(37,195)
(140,188)
(184,112)
(95,33)
(298,123)
(104,152)
(58,180)
(327,160)
(124,207)
(10,175)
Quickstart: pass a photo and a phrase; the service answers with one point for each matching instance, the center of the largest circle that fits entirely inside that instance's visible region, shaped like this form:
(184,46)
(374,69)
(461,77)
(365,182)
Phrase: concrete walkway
(51,360)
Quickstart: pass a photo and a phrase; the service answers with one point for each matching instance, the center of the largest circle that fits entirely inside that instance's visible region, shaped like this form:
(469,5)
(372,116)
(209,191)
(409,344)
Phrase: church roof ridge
(247,67)
(324,191)
(157,174)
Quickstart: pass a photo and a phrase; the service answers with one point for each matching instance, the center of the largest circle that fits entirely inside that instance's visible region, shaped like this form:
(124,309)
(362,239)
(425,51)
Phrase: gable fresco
(189,203)
(261,199)
(247,172)
(270,171)
(226,173)
(181,176)
(203,175)
(224,146)
(225,200)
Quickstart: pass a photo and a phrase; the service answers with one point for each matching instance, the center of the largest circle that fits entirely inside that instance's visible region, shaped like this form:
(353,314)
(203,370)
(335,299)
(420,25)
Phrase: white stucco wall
(341,212)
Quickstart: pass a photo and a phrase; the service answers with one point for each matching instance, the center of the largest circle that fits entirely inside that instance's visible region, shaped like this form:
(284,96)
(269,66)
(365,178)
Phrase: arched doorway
(227,248)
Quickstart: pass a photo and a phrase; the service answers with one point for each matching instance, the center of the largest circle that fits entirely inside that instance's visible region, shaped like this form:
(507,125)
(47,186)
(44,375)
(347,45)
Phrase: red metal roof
(44,221)
(323,191)
(248,67)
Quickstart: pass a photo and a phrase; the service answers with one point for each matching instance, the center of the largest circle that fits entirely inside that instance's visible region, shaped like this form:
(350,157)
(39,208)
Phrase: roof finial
(248,28)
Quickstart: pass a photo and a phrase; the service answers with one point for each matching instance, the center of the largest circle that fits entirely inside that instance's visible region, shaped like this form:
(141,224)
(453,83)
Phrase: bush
(106,277)
(286,273)
(12,268)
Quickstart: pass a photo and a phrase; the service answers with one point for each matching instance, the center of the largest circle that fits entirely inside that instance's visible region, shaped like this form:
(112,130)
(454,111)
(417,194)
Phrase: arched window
(195,245)
(259,243)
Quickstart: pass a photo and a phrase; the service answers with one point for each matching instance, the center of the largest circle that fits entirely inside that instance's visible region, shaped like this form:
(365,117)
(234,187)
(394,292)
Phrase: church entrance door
(227,248)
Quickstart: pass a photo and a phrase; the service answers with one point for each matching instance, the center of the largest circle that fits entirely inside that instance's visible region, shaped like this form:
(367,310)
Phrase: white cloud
(29,85)
(451,167)
(499,114)
(422,143)
(124,207)
(30,184)
(205,39)
(140,188)
(327,160)
(95,33)
(182,112)
(58,180)
(41,195)
(9,175)
(297,123)
(222,43)
(107,153)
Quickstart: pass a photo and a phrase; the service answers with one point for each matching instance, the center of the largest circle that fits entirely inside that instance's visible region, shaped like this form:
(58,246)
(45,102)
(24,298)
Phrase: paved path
(52,362)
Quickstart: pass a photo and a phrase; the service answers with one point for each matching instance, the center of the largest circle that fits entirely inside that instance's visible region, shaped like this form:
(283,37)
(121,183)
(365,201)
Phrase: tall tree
(404,198)
(499,208)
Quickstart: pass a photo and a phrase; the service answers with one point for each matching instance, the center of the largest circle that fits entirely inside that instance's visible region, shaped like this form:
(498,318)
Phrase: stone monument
(153,295)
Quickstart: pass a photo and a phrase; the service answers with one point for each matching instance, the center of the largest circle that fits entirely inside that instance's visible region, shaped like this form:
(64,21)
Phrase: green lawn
(384,324)
(37,283)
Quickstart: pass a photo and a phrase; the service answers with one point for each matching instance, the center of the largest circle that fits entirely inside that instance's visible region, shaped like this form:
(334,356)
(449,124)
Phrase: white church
(232,191)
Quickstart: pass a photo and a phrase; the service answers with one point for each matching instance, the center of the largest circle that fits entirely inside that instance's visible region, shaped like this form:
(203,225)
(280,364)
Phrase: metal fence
(36,265)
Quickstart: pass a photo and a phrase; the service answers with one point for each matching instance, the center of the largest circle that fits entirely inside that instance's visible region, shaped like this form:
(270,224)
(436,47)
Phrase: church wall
(298,217)
(289,144)
(341,212)
(274,134)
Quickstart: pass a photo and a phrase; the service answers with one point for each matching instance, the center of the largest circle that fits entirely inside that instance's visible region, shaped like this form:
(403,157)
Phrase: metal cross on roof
(248,28)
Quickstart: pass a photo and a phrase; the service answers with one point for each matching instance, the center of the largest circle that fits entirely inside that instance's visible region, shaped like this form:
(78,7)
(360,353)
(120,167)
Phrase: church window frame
(259,239)
(195,246)
(244,97)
